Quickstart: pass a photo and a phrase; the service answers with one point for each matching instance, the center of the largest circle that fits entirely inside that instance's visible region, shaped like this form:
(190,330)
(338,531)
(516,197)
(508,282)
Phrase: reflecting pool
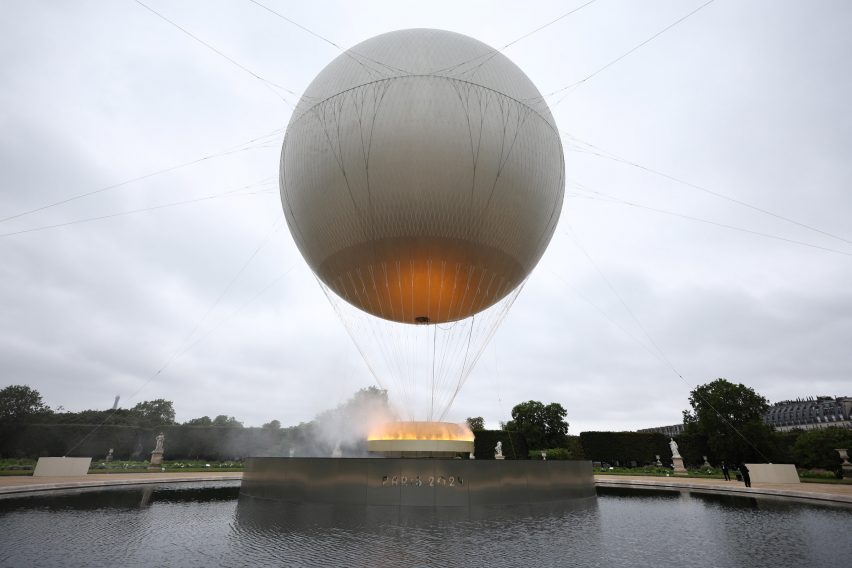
(210,525)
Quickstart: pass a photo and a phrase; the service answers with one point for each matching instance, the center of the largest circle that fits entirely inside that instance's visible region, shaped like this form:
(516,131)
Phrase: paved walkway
(815,491)
(29,484)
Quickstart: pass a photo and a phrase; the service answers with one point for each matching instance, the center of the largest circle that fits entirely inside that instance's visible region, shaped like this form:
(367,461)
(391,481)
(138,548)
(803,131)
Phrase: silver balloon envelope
(422,178)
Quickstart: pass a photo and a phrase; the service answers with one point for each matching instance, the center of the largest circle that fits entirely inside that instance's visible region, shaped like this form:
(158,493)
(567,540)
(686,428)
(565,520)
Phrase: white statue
(498,450)
(673,446)
(337,452)
(159,447)
(471,456)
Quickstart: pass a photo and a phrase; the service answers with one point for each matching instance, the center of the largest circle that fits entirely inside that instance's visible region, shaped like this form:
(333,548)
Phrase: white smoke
(343,430)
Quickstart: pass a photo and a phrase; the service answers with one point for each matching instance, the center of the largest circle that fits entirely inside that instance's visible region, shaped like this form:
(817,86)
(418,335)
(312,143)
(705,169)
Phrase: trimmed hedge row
(197,442)
(221,443)
(135,443)
(575,448)
(514,444)
(622,448)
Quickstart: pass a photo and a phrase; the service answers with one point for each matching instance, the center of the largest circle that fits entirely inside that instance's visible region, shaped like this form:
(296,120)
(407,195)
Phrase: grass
(25,467)
(658,472)
(168,466)
(17,467)
(805,475)
(832,480)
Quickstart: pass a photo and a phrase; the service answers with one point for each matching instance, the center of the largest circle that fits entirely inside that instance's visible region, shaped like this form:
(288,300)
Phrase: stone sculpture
(673,446)
(157,455)
(677,459)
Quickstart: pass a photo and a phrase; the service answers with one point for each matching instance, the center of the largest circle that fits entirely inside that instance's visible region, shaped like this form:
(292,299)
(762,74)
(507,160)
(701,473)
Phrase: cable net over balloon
(422,179)
(423,367)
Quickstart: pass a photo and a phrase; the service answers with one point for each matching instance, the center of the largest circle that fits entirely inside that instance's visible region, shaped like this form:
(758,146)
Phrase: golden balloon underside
(421,280)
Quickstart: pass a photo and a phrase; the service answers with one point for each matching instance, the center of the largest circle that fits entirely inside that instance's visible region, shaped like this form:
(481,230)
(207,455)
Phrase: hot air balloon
(422,178)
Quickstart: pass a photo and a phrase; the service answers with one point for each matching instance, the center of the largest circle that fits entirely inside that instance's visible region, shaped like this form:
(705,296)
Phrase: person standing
(744,473)
(725,471)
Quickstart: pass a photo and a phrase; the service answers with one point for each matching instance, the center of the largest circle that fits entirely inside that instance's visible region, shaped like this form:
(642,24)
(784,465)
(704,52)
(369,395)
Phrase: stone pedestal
(845,467)
(499,458)
(772,473)
(60,467)
(678,466)
(156,462)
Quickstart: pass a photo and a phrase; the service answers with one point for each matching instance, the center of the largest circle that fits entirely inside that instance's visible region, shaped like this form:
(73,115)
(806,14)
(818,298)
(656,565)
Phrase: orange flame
(420,430)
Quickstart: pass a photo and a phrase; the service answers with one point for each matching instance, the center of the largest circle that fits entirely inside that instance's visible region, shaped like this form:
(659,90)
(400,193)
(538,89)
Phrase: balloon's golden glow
(421,280)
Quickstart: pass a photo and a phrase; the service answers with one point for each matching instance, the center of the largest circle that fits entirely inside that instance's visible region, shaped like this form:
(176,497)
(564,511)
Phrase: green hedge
(195,442)
(693,448)
(514,444)
(552,454)
(39,440)
(134,443)
(816,448)
(624,447)
(575,447)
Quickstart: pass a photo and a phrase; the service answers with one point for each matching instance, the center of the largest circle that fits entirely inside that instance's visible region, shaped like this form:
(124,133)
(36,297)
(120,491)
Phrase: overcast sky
(210,305)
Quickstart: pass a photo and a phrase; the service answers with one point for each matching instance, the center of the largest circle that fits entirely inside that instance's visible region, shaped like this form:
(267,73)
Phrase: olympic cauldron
(425,471)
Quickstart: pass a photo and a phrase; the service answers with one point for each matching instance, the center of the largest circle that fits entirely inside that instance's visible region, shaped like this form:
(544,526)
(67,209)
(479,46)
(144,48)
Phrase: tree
(18,402)
(156,412)
(818,448)
(370,397)
(475,423)
(229,421)
(555,425)
(273,425)
(728,418)
(202,421)
(543,426)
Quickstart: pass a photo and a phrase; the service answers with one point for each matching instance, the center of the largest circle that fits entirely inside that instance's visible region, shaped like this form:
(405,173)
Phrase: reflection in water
(120,497)
(649,494)
(209,525)
(391,536)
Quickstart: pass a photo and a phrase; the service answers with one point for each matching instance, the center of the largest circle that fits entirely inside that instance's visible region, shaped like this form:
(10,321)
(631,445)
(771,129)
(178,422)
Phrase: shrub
(552,454)
(514,444)
(816,448)
(624,447)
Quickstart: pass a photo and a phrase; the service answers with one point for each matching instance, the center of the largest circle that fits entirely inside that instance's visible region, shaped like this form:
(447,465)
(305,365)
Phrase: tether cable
(662,356)
(233,150)
(623,55)
(219,53)
(182,350)
(614,157)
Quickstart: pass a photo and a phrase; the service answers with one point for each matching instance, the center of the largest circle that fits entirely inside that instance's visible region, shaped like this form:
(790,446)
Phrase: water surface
(209,525)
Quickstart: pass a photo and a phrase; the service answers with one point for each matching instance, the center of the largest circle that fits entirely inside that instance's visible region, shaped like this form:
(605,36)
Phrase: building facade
(810,413)
(801,414)
(670,431)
